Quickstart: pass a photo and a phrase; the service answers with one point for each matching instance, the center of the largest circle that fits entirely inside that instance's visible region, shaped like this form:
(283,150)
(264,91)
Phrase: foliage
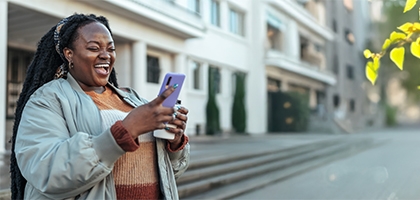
(391,115)
(407,34)
(238,108)
(212,110)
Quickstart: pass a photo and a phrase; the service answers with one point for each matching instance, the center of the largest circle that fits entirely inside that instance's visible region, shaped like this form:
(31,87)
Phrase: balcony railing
(275,58)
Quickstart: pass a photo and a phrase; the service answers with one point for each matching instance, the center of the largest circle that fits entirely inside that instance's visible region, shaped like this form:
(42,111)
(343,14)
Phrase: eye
(93,48)
(112,49)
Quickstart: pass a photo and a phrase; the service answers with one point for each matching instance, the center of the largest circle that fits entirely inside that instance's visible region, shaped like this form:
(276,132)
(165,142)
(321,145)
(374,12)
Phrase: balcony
(161,14)
(304,16)
(277,59)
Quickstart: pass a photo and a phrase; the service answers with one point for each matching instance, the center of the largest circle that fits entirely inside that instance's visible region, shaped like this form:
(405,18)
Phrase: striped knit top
(136,172)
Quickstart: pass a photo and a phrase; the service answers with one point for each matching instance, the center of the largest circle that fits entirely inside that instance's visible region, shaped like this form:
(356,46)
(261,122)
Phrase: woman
(78,136)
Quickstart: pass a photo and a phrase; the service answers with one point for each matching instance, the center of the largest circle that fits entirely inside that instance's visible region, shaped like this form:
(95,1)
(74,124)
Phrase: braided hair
(42,70)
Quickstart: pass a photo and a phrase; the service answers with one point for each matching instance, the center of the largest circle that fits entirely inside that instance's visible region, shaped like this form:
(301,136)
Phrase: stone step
(225,164)
(239,181)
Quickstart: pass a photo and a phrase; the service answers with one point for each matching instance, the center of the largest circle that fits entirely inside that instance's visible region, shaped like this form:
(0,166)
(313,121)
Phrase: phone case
(170,79)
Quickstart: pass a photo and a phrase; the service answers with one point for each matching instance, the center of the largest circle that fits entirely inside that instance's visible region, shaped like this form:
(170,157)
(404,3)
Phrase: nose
(104,55)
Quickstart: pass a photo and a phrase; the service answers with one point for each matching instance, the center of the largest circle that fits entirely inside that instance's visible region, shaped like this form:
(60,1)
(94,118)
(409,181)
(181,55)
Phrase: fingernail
(167,128)
(175,85)
(175,114)
(177,107)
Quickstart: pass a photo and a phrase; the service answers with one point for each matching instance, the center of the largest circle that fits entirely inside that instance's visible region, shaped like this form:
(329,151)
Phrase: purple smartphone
(169,80)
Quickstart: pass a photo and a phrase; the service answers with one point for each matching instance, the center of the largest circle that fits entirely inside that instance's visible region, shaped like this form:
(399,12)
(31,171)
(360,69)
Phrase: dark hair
(42,70)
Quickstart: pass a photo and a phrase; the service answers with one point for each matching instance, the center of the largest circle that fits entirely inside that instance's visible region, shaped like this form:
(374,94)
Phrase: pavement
(204,147)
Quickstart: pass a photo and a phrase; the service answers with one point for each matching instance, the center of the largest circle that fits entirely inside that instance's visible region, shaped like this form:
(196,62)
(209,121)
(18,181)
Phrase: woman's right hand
(150,116)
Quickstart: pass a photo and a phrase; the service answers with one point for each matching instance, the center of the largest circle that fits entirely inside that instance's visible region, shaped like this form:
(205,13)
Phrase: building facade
(281,45)
(354,101)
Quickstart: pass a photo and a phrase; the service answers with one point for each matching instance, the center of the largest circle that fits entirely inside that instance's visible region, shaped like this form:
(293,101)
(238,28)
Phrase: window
(350,74)
(273,85)
(352,105)
(274,37)
(236,22)
(153,69)
(17,64)
(274,32)
(194,6)
(336,101)
(215,13)
(196,69)
(349,37)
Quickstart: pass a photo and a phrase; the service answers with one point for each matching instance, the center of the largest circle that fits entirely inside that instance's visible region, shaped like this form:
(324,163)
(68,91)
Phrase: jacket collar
(73,83)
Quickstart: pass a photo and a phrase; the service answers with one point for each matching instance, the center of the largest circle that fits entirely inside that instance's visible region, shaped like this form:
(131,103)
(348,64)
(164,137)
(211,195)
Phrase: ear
(68,53)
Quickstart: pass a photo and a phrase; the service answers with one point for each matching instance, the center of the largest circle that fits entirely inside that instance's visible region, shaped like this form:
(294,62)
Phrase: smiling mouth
(102,69)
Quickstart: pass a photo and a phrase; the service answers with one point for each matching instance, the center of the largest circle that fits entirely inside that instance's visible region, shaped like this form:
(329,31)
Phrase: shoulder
(50,89)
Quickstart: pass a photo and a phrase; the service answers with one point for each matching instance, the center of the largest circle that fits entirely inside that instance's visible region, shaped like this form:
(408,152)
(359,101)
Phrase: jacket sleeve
(56,162)
(180,160)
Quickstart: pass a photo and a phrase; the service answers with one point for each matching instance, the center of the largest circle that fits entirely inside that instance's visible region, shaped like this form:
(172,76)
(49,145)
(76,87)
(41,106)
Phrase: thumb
(164,95)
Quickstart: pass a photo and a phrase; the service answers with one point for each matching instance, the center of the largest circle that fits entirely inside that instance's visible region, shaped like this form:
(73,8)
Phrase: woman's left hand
(180,123)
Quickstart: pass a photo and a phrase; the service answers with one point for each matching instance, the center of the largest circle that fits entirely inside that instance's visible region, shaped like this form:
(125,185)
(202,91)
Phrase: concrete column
(3,74)
(293,41)
(181,67)
(312,98)
(256,82)
(224,15)
(205,10)
(225,99)
(123,64)
(284,85)
(139,71)
(205,77)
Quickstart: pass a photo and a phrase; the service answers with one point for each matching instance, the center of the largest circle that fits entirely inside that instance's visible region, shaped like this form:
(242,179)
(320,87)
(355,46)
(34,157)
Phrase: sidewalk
(205,147)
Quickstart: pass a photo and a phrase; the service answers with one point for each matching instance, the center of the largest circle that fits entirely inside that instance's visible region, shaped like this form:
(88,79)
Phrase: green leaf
(415,48)
(397,56)
(397,36)
(386,44)
(371,74)
(367,53)
(409,5)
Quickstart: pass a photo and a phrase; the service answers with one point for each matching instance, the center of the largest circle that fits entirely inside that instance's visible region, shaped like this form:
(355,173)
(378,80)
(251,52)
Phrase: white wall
(3,73)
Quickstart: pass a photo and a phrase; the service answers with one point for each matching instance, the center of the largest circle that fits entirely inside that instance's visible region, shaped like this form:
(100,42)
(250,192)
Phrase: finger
(165,118)
(182,117)
(166,111)
(165,94)
(181,109)
(177,123)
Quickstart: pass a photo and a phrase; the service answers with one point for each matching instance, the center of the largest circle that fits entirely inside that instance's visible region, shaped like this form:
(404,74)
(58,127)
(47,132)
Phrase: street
(390,171)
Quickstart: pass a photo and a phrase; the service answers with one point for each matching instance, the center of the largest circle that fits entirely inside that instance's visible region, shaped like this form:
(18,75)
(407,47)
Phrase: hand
(150,116)
(180,121)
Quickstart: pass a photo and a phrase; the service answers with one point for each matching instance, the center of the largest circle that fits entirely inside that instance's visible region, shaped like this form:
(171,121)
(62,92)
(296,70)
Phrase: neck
(98,90)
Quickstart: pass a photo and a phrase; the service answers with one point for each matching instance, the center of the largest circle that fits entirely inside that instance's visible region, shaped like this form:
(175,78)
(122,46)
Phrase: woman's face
(93,56)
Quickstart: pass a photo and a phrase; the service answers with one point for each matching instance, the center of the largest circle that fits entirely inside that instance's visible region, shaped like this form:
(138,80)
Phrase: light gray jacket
(63,153)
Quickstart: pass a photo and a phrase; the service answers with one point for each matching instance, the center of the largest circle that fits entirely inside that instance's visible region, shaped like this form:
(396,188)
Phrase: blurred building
(282,45)
(354,101)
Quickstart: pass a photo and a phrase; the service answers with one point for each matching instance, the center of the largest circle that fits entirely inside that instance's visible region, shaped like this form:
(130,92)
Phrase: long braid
(42,70)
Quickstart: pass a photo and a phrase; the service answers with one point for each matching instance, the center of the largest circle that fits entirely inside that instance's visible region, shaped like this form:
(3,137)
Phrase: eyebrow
(98,43)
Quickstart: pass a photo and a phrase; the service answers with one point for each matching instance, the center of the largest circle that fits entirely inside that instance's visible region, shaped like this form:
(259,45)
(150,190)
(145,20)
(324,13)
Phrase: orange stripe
(144,191)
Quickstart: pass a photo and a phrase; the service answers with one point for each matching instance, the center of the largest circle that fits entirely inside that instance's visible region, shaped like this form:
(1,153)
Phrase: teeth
(102,65)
